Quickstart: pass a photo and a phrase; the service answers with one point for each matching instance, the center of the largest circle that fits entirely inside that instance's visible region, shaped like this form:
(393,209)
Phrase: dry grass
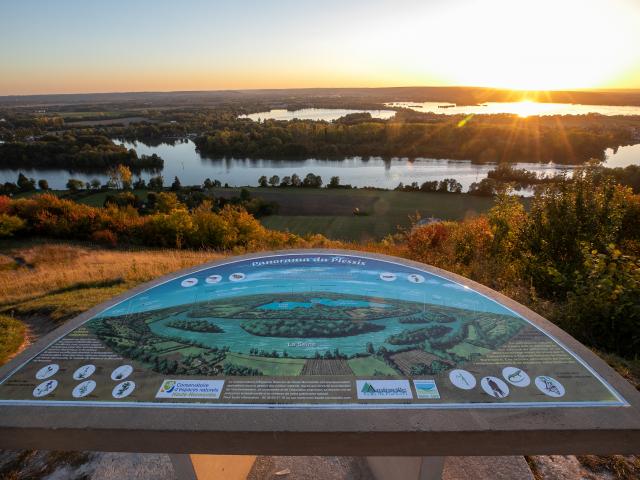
(47,283)
(620,466)
(55,268)
(12,333)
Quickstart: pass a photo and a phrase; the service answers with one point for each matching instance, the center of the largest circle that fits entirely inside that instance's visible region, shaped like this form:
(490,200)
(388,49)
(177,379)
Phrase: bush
(10,224)
(604,309)
(562,218)
(106,237)
(424,241)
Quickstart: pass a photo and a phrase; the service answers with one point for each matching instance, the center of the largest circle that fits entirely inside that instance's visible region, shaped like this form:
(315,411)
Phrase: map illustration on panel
(315,329)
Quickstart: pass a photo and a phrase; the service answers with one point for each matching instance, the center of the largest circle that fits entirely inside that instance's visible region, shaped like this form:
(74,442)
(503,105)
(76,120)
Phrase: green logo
(368,388)
(168,386)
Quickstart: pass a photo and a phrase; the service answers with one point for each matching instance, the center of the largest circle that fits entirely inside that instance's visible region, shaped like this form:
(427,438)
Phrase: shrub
(10,224)
(564,216)
(424,241)
(106,237)
(5,204)
(603,310)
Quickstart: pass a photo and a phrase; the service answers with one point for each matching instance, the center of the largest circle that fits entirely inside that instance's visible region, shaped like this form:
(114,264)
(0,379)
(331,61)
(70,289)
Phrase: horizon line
(231,90)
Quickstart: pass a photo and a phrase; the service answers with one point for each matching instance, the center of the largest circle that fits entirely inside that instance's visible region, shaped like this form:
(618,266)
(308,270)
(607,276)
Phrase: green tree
(43,184)
(286,181)
(166,202)
(176,186)
(274,180)
(156,183)
(25,184)
(74,184)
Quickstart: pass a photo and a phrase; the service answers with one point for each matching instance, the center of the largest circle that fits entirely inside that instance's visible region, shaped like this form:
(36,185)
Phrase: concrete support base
(183,467)
(410,468)
(243,467)
(212,467)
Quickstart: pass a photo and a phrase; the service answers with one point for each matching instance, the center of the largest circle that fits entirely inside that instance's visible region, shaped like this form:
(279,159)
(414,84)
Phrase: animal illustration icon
(463,379)
(516,377)
(550,386)
(123,388)
(47,387)
(495,388)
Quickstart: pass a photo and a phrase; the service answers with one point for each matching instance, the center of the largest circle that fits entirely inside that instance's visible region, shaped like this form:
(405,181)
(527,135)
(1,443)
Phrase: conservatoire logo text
(190,389)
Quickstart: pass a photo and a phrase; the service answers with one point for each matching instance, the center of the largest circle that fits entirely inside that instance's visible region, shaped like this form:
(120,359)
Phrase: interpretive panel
(319,330)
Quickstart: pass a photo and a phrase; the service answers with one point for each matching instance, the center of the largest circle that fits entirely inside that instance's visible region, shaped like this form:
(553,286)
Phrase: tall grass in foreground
(56,268)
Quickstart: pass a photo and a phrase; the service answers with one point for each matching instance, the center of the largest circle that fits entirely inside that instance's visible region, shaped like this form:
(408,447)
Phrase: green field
(334,227)
(268,366)
(368,366)
(331,211)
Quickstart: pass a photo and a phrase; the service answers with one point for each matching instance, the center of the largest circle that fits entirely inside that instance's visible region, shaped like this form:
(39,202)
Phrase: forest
(309,328)
(483,138)
(195,326)
(87,153)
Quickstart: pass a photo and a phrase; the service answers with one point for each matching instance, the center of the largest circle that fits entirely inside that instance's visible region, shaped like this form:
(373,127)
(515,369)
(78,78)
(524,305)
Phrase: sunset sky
(68,46)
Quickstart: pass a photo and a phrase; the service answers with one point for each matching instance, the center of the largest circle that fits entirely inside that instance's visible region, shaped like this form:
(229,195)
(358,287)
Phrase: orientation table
(316,352)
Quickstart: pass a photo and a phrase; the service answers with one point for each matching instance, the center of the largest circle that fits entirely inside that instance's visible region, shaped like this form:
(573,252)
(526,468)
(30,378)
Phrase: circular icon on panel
(495,387)
(83,389)
(122,372)
(46,372)
(45,388)
(415,278)
(84,372)
(189,282)
(549,386)
(388,276)
(213,279)
(462,379)
(516,376)
(237,277)
(123,389)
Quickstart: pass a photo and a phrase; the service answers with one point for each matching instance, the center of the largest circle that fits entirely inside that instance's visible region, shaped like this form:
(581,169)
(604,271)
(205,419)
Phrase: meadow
(331,211)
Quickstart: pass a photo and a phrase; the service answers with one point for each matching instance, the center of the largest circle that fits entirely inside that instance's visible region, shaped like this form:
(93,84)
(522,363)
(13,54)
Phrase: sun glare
(526,108)
(500,47)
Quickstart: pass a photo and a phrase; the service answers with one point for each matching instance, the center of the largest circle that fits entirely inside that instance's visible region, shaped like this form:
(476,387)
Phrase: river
(183,161)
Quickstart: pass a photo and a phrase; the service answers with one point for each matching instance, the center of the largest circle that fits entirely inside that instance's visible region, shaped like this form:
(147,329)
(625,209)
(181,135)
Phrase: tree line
(482,138)
(88,153)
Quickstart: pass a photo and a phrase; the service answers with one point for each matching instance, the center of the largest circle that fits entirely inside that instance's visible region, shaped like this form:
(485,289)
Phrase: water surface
(182,160)
(327,114)
(523,109)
